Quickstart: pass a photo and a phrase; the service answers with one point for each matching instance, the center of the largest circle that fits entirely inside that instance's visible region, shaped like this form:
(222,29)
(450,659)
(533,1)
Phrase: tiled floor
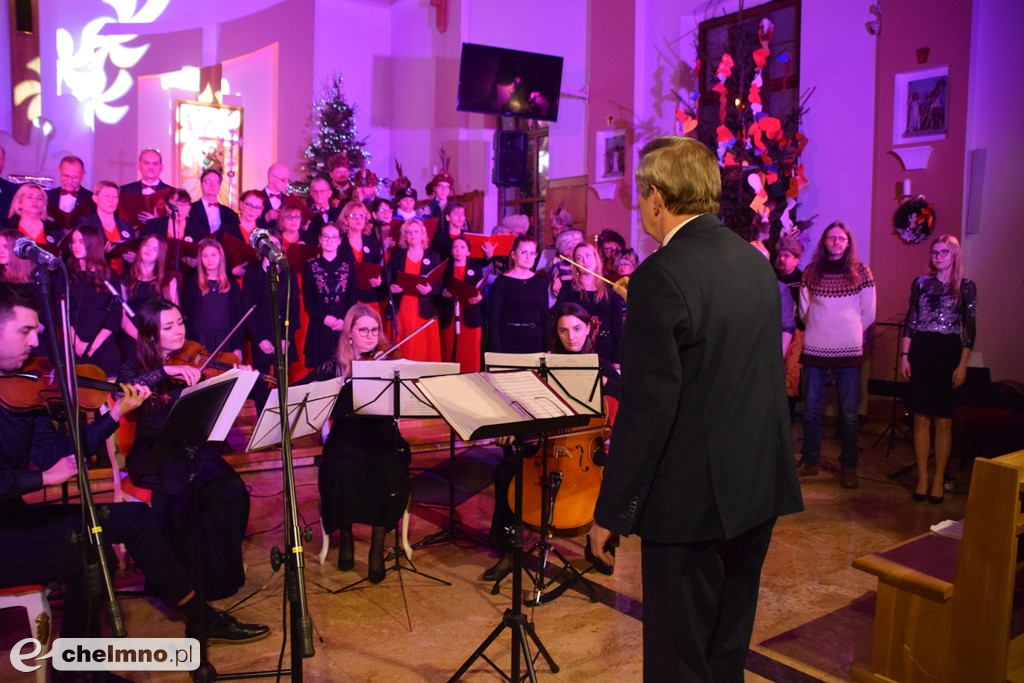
(814,614)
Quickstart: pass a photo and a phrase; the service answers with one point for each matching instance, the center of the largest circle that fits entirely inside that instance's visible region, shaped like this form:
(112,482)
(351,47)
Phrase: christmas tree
(333,131)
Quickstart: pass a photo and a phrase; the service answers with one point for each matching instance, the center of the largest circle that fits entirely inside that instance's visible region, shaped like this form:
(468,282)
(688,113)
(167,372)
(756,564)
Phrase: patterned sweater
(836,315)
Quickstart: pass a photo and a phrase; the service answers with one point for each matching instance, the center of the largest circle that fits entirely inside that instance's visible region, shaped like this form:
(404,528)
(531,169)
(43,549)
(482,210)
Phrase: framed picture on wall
(920,105)
(210,136)
(610,154)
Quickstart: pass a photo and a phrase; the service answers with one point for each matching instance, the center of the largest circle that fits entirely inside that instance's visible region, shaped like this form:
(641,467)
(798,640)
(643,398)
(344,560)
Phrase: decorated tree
(333,131)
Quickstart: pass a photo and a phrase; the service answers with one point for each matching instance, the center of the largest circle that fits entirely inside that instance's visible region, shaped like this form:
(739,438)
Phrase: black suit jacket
(136,187)
(701,448)
(199,223)
(53,197)
(7,190)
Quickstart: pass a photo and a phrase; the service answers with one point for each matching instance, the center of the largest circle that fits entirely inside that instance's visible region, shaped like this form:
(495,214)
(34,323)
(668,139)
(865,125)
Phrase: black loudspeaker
(509,159)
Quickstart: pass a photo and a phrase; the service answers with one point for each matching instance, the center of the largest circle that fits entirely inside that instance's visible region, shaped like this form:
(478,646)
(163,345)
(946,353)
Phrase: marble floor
(813,621)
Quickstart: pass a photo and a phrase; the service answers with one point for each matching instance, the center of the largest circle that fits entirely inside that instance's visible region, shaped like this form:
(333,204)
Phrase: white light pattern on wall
(83,71)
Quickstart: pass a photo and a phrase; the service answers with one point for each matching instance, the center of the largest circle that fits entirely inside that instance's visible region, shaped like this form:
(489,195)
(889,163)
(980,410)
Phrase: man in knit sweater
(837,305)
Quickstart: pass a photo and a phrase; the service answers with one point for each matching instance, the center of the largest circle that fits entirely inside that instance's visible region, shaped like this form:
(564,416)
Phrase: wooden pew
(944,607)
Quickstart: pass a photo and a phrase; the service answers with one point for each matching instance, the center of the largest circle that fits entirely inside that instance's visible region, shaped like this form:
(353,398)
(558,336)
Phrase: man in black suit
(208,216)
(278,177)
(320,205)
(151,165)
(70,195)
(701,460)
(7,189)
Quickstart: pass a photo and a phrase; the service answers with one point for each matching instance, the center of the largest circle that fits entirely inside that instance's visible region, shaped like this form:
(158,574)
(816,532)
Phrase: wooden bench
(944,607)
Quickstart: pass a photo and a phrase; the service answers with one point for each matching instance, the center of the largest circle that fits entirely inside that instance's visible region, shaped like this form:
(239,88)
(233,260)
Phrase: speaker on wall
(509,158)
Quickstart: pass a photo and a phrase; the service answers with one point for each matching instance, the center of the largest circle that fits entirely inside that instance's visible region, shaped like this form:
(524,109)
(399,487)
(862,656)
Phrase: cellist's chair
(326,545)
(34,598)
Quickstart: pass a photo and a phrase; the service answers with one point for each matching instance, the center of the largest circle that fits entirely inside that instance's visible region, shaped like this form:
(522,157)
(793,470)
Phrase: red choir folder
(366,272)
(237,252)
(464,290)
(502,244)
(408,281)
(299,254)
(129,206)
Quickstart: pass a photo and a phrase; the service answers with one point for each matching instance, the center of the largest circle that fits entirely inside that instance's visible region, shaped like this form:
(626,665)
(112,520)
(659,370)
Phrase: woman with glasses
(327,292)
(250,209)
(364,473)
(360,245)
(597,298)
(937,340)
(105,195)
(837,305)
(415,306)
(175,224)
(518,314)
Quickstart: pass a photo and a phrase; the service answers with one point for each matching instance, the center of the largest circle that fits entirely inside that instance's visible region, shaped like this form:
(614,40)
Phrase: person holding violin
(34,455)
(364,475)
(572,331)
(95,315)
(213,300)
(157,461)
(260,323)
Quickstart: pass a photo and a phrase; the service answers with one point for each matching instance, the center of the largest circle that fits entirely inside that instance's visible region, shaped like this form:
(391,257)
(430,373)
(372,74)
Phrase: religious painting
(210,136)
(920,105)
(610,155)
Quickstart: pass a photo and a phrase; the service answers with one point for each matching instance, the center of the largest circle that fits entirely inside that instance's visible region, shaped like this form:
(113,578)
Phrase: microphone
(457,311)
(259,239)
(119,299)
(25,248)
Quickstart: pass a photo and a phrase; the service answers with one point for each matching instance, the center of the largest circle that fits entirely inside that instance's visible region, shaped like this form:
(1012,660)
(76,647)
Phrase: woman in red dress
(469,271)
(418,305)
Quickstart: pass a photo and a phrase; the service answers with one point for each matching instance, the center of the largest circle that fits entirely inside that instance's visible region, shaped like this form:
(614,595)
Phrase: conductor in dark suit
(701,461)
(208,216)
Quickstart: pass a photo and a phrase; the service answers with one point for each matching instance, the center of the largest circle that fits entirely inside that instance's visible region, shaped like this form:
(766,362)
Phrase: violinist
(572,332)
(364,476)
(158,462)
(95,315)
(213,300)
(33,455)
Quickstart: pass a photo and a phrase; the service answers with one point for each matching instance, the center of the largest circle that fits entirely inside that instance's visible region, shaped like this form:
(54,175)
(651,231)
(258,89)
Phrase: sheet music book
(308,407)
(366,271)
(372,386)
(502,244)
(408,281)
(212,405)
(481,405)
(576,377)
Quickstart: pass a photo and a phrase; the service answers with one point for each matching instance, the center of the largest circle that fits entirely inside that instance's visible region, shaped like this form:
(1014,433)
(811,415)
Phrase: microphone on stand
(119,299)
(259,239)
(25,248)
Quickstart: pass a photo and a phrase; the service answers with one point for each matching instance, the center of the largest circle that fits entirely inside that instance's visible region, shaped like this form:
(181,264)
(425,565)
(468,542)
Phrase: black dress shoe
(936,500)
(377,575)
(500,570)
(228,630)
(919,497)
(346,552)
(599,566)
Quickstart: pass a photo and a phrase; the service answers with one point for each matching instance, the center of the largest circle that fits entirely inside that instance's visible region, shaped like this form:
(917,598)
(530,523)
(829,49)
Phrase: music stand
(378,389)
(577,379)
(308,407)
(478,408)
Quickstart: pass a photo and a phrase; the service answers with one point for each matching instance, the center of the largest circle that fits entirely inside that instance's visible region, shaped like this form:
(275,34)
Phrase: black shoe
(346,551)
(936,500)
(919,497)
(226,629)
(599,566)
(500,570)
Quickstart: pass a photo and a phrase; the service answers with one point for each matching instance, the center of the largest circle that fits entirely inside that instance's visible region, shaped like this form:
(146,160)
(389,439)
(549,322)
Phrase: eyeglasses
(367,331)
(281,179)
(939,252)
(357,216)
(329,238)
(836,238)
(254,207)
(527,252)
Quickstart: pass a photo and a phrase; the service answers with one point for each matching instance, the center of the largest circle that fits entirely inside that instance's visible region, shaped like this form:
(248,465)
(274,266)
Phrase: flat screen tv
(494,80)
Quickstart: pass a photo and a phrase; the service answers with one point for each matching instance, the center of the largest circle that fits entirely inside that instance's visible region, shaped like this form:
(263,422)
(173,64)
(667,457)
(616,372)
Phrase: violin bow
(225,339)
(387,352)
(586,270)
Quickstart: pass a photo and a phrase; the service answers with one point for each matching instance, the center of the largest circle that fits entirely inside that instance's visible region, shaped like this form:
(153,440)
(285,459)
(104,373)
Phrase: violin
(35,387)
(195,355)
(574,472)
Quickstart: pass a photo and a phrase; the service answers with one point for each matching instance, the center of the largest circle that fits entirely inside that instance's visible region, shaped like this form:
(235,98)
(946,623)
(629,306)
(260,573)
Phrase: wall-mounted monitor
(494,80)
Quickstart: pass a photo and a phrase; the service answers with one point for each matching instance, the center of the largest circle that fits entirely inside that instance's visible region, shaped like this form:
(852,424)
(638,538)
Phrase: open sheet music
(308,407)
(576,377)
(373,381)
(485,404)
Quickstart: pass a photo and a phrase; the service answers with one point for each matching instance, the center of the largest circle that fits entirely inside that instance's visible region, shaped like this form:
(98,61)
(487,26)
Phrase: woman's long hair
(136,276)
(17,270)
(223,284)
(956,270)
(147,321)
(601,289)
(560,311)
(848,261)
(346,352)
(96,267)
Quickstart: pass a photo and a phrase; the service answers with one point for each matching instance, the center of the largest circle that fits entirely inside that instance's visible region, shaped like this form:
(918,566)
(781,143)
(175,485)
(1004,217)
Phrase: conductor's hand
(61,471)
(134,396)
(599,538)
(620,286)
(186,373)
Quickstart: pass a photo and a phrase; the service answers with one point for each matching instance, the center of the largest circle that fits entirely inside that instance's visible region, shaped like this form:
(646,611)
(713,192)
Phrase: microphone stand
(90,539)
(293,557)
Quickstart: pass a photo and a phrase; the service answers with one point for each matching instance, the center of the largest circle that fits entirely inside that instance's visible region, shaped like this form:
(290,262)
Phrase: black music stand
(394,397)
(445,394)
(895,391)
(577,379)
